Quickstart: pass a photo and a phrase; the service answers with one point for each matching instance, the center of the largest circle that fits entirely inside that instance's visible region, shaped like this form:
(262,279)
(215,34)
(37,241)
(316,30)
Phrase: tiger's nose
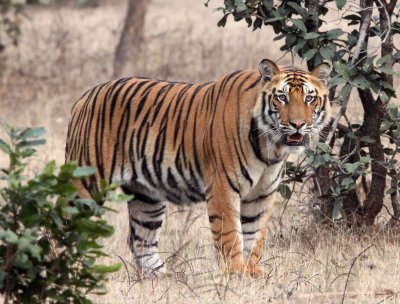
(297,123)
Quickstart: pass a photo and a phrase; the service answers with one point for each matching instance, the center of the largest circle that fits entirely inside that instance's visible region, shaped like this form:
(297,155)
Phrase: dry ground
(64,51)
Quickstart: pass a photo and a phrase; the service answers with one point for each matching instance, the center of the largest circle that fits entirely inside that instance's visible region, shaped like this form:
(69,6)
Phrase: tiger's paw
(254,271)
(150,266)
(236,267)
(153,273)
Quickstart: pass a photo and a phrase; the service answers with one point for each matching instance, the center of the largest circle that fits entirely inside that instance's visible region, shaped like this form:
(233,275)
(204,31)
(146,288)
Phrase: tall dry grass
(64,51)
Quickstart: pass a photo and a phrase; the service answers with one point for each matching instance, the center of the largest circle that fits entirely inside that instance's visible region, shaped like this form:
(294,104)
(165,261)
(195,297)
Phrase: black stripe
(259,198)
(132,156)
(231,184)
(251,232)
(212,218)
(166,88)
(142,101)
(139,146)
(162,208)
(145,199)
(171,179)
(252,85)
(254,140)
(195,153)
(250,219)
(146,173)
(144,243)
(151,225)
(114,99)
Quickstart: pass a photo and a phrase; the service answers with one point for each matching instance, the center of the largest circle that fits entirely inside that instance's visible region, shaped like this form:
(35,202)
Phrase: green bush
(48,236)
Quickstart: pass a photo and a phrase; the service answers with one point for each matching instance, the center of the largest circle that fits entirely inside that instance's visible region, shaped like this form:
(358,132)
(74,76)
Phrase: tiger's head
(294,104)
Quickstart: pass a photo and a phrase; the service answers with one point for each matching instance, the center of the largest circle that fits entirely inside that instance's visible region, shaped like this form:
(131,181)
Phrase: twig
(126,268)
(351,267)
(389,28)
(395,203)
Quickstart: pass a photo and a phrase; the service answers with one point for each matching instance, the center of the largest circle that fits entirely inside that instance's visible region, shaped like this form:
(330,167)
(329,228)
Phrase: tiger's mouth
(295,139)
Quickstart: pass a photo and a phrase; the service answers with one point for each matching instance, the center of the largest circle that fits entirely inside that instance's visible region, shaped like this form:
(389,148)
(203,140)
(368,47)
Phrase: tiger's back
(152,135)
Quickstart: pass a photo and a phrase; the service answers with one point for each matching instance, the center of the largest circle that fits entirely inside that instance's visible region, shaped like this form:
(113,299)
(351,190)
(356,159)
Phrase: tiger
(224,142)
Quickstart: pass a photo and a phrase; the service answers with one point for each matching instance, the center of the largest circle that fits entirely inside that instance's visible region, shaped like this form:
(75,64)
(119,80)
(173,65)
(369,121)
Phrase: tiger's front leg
(224,216)
(255,216)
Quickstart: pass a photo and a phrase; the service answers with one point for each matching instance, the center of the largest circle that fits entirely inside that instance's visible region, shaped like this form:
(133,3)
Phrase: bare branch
(366,21)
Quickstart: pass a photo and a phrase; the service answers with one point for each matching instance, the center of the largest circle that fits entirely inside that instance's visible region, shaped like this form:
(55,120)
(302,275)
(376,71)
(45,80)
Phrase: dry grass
(65,51)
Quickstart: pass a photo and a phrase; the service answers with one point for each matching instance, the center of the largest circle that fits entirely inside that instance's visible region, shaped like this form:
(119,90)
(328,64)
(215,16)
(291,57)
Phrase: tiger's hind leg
(145,219)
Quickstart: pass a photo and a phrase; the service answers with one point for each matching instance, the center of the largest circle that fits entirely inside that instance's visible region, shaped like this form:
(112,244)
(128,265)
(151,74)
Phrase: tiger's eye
(309,98)
(282,97)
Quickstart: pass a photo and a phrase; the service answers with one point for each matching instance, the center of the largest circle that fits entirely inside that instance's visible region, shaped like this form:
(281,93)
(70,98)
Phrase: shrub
(49,238)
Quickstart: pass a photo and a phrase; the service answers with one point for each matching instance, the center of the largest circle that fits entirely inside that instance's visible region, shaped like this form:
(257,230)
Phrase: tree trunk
(373,113)
(127,60)
(349,151)
(322,174)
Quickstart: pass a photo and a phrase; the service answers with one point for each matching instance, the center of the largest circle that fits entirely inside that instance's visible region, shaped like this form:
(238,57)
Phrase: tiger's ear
(268,69)
(322,71)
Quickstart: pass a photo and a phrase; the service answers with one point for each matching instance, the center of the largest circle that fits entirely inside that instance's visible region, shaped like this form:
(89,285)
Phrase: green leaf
(352,17)
(103,269)
(351,135)
(311,35)
(222,22)
(351,168)
(31,143)
(336,81)
(327,53)
(269,4)
(290,39)
(5,147)
(300,10)
(365,159)
(9,236)
(310,54)
(383,96)
(300,44)
(344,70)
(277,18)
(345,92)
(384,59)
(387,70)
(32,133)
(361,82)
(335,33)
(340,3)
(83,171)
(240,6)
(367,139)
(391,191)
(49,168)
(347,183)
(285,191)
(114,197)
(323,147)
(299,23)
